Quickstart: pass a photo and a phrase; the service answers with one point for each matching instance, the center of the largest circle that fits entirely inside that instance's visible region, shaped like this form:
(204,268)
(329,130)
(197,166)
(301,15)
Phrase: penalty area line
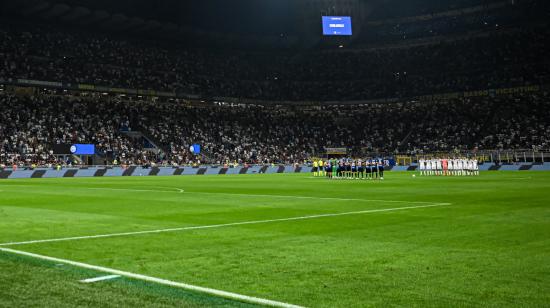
(178,190)
(242,223)
(185,286)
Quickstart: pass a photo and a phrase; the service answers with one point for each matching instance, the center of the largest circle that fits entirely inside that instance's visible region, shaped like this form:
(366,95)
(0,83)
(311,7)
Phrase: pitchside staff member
(315,167)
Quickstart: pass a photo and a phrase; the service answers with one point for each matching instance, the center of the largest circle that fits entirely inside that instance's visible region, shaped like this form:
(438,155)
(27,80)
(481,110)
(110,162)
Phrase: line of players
(349,169)
(448,167)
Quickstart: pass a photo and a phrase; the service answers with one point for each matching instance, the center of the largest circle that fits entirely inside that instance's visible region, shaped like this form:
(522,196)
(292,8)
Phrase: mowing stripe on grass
(222,225)
(172,189)
(218,293)
(97,279)
(181,191)
(178,190)
(314,198)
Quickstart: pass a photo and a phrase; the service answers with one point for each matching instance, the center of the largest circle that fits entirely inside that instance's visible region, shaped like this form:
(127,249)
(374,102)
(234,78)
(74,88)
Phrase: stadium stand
(266,134)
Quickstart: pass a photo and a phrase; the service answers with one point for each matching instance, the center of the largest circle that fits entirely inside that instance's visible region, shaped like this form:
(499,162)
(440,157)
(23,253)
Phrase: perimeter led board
(83,149)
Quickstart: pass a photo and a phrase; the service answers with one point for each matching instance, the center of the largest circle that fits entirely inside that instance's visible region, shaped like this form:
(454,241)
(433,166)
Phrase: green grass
(490,247)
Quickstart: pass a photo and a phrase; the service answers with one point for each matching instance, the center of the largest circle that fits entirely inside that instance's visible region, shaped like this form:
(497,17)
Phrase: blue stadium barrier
(231,171)
(253,170)
(114,172)
(54,173)
(289,169)
(545,167)
(271,170)
(21,174)
(166,171)
(217,170)
(485,167)
(509,168)
(190,171)
(85,172)
(399,168)
(139,171)
(212,171)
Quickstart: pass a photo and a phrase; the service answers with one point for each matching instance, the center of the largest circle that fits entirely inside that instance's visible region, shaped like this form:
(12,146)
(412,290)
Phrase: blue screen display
(83,149)
(196,148)
(337,25)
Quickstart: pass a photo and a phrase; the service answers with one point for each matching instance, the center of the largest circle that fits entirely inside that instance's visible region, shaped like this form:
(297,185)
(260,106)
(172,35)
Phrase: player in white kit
(455,168)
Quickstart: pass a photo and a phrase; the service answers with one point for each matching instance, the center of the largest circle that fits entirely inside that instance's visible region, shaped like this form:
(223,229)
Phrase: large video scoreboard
(337,25)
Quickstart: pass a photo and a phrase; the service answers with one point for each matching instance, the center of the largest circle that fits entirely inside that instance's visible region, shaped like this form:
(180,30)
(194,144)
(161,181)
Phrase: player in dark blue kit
(346,165)
(340,171)
(380,168)
(348,169)
(373,169)
(353,169)
(328,169)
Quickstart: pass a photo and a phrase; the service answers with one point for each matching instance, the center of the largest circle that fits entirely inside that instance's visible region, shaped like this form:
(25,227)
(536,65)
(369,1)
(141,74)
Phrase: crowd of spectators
(514,56)
(265,134)
(468,124)
(31,125)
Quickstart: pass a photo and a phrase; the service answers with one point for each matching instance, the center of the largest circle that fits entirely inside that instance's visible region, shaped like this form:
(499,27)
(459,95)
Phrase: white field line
(178,189)
(219,293)
(254,222)
(97,279)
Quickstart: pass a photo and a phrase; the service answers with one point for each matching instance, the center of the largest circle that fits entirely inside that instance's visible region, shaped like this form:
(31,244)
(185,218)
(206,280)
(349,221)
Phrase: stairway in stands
(148,144)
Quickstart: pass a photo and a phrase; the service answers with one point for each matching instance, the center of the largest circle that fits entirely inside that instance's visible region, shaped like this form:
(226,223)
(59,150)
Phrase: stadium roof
(238,22)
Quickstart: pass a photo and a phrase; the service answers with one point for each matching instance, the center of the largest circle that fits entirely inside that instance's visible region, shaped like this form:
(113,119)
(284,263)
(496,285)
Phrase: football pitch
(281,240)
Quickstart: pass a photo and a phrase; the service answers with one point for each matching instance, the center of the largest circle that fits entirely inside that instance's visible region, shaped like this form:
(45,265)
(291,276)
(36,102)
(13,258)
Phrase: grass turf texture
(489,248)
